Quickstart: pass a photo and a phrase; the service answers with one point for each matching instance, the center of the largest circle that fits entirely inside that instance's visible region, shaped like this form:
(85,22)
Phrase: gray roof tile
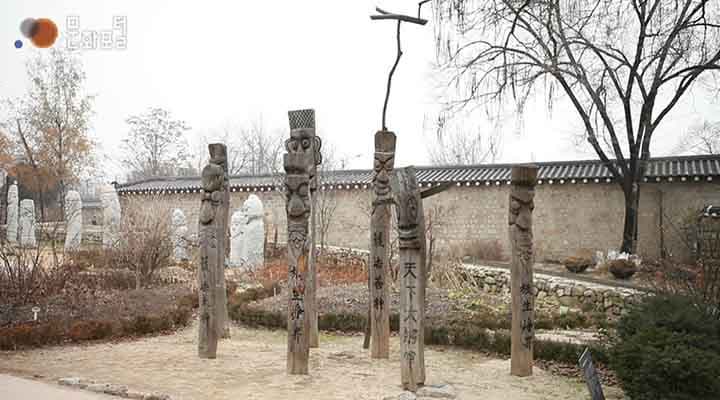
(686,166)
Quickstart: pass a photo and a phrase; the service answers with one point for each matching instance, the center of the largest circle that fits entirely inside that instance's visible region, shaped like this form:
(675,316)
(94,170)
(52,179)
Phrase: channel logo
(42,32)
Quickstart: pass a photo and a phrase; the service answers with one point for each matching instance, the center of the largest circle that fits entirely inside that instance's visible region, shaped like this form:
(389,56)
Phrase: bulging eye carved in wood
(214,182)
(520,221)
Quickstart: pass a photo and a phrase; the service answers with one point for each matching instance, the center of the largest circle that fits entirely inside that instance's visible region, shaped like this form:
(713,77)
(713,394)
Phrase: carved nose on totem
(296,209)
(524,220)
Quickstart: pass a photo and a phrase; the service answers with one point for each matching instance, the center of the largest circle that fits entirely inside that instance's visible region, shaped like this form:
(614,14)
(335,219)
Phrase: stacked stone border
(559,293)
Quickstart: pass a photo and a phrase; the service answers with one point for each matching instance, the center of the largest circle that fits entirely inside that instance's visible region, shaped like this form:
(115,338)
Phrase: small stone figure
(12,214)
(73,221)
(180,235)
(111,215)
(27,223)
(247,232)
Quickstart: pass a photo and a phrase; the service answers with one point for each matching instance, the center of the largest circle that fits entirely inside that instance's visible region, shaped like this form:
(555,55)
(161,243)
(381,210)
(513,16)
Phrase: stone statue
(521,205)
(111,215)
(73,221)
(297,196)
(254,232)
(27,223)
(379,311)
(212,231)
(237,240)
(180,235)
(12,214)
(247,232)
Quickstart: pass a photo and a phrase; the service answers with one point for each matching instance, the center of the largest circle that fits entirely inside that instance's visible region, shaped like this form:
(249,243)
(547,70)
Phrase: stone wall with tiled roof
(664,169)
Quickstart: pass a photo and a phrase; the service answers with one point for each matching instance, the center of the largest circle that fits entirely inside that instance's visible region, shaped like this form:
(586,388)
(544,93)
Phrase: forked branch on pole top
(384,15)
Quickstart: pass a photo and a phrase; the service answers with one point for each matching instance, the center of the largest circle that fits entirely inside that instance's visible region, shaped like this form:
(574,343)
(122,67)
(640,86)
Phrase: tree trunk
(631,192)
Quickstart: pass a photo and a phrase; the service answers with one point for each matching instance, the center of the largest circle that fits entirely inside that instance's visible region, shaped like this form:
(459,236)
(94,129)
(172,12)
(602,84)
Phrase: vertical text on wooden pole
(380,245)
(411,260)
(297,192)
(303,139)
(520,211)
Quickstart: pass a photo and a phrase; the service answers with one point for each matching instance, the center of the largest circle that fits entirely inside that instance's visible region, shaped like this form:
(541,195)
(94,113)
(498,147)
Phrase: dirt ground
(251,365)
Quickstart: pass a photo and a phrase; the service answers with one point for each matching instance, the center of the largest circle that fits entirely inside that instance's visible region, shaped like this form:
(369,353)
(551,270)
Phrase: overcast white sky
(215,62)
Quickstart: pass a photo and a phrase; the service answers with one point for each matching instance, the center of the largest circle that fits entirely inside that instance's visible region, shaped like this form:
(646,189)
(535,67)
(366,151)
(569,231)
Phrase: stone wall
(559,294)
(569,218)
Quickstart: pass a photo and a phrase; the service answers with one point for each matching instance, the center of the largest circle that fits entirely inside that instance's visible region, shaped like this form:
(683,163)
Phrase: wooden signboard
(591,376)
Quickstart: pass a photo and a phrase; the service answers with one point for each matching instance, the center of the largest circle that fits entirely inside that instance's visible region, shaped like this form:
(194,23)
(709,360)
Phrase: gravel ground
(251,365)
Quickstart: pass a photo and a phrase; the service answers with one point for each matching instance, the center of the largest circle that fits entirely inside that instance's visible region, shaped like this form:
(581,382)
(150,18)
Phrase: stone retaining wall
(560,294)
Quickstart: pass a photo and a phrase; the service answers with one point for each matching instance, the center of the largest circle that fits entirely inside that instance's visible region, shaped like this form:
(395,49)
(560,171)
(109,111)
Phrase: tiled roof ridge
(555,170)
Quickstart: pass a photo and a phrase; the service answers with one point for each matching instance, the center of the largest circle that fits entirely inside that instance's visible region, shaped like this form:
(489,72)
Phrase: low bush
(667,348)
(577,264)
(622,269)
(462,332)
(29,335)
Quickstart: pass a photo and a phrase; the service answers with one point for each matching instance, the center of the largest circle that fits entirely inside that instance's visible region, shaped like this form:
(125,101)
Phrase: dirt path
(251,365)
(12,388)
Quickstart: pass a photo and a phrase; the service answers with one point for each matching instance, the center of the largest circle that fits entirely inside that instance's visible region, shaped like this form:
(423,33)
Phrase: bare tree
(48,127)
(252,148)
(454,145)
(622,64)
(700,139)
(155,145)
(327,200)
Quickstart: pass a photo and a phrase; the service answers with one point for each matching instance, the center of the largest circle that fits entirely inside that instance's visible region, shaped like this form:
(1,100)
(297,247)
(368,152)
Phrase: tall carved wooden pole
(411,259)
(212,227)
(303,140)
(380,245)
(521,273)
(297,191)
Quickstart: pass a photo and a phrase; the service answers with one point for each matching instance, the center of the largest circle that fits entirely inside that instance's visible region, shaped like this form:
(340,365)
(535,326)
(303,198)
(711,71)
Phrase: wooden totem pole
(521,274)
(380,245)
(377,330)
(303,140)
(297,192)
(411,260)
(212,229)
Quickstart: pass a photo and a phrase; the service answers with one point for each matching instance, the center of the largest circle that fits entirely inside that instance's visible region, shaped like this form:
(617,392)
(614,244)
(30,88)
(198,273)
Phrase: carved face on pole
(297,195)
(407,208)
(520,220)
(213,182)
(383,167)
(521,207)
(383,164)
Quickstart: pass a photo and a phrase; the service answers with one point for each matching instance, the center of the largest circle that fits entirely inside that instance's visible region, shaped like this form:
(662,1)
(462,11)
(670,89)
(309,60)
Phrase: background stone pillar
(73,221)
(13,210)
(27,223)
(521,206)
